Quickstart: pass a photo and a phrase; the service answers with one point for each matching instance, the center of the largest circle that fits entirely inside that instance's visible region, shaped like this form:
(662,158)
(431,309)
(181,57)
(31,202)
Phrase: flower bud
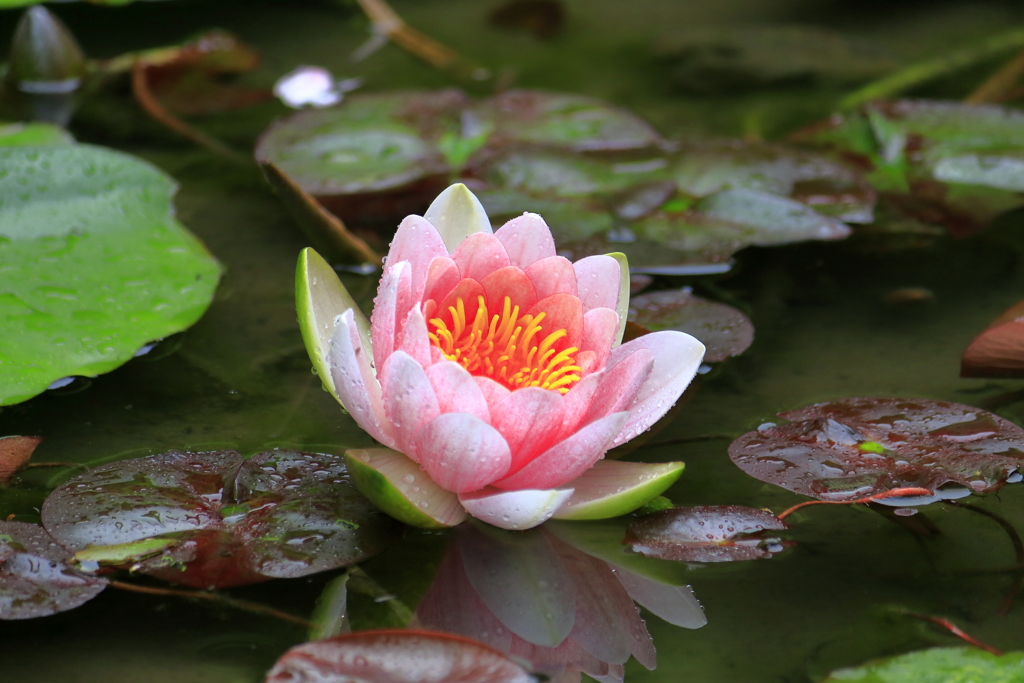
(45,57)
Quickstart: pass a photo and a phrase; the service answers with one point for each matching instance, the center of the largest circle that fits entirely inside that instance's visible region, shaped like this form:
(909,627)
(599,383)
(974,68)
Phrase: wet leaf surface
(396,657)
(279,514)
(938,665)
(706,533)
(35,578)
(724,330)
(32,134)
(15,452)
(96,264)
(860,447)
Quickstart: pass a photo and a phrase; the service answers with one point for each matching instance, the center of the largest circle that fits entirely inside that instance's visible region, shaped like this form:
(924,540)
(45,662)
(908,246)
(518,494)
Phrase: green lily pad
(93,264)
(398,486)
(612,488)
(33,134)
(724,331)
(938,665)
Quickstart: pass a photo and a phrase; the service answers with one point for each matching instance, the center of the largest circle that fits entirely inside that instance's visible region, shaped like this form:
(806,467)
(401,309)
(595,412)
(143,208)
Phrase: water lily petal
(624,285)
(456,391)
(479,255)
(457,214)
(601,624)
(419,243)
(521,509)
(461,452)
(568,459)
(529,419)
(414,339)
(494,393)
(355,381)
(552,275)
(620,385)
(676,359)
(409,400)
(598,279)
(600,329)
(561,312)
(469,291)
(675,604)
(390,309)
(527,239)
(442,277)
(509,282)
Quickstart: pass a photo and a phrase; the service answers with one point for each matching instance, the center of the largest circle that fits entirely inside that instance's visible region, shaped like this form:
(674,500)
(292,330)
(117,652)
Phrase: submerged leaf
(723,330)
(396,657)
(706,533)
(35,578)
(861,447)
(95,264)
(279,514)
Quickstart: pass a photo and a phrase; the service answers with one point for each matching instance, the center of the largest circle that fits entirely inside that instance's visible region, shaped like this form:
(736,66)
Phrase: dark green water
(241,377)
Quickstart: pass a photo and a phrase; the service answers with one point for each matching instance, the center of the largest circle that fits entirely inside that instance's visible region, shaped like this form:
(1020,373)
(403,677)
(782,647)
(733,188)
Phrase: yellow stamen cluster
(508,348)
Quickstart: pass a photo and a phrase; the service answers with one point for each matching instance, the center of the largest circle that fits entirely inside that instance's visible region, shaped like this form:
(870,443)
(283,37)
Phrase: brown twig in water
(253,607)
(1018,549)
(957,631)
(997,86)
(894,493)
(386,22)
(144,96)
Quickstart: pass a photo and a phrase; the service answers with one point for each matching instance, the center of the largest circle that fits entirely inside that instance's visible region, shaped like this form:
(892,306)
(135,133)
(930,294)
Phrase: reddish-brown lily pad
(999,350)
(857,448)
(724,330)
(35,578)
(15,452)
(706,533)
(396,656)
(280,514)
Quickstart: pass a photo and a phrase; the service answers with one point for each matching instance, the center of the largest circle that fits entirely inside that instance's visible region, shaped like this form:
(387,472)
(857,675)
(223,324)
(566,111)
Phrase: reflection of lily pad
(859,447)
(280,514)
(35,579)
(938,665)
(722,329)
(94,264)
(706,533)
(398,656)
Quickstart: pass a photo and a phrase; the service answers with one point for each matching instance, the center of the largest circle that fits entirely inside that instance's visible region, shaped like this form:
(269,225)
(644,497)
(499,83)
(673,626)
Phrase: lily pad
(860,447)
(612,488)
(35,577)
(33,134)
(15,452)
(723,330)
(999,350)
(938,665)
(279,514)
(706,533)
(396,656)
(94,265)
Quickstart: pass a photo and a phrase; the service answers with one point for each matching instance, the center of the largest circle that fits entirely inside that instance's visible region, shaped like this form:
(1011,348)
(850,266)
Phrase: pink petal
(390,309)
(598,279)
(527,239)
(509,282)
(620,384)
(562,312)
(418,242)
(676,359)
(576,404)
(456,391)
(567,460)
(600,329)
(355,380)
(409,400)
(494,393)
(675,604)
(442,277)
(470,292)
(480,255)
(461,452)
(529,419)
(552,275)
(522,509)
(414,339)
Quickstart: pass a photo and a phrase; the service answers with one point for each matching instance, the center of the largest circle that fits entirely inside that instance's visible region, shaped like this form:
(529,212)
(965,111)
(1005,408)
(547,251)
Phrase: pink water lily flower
(495,364)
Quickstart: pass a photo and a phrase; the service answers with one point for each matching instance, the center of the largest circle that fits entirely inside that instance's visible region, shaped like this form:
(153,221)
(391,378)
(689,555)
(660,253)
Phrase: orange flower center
(508,348)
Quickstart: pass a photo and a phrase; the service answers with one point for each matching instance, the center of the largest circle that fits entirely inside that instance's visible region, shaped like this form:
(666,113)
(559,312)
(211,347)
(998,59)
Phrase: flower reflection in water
(537,598)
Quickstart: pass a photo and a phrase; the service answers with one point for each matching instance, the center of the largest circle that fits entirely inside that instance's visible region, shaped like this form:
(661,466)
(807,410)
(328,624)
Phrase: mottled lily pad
(35,577)
(396,656)
(93,264)
(706,533)
(279,514)
(938,665)
(860,447)
(724,330)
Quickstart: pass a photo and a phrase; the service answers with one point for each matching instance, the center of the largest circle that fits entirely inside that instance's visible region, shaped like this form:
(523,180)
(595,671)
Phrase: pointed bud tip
(457,214)
(43,50)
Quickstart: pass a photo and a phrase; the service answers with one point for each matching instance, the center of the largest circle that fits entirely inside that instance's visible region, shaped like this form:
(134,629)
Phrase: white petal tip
(515,510)
(457,214)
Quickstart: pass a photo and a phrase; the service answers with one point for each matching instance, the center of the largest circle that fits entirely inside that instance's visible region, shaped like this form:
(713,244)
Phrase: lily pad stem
(894,493)
(1018,549)
(958,632)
